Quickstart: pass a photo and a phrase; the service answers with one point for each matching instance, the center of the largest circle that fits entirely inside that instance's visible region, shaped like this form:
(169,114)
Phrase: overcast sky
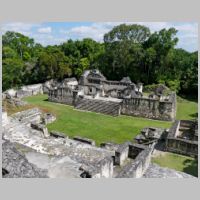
(57,32)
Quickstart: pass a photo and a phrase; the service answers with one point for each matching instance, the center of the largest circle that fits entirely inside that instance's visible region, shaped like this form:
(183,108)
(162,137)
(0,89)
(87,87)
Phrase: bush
(173,85)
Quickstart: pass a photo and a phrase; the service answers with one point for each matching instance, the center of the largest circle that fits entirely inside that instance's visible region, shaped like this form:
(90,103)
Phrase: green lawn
(101,128)
(178,162)
(186,109)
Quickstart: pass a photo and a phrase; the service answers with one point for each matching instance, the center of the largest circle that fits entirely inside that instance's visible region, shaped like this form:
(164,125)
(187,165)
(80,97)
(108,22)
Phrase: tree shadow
(189,98)
(194,115)
(191,167)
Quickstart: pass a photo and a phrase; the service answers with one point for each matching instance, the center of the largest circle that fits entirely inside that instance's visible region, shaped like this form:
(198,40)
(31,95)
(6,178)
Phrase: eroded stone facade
(95,93)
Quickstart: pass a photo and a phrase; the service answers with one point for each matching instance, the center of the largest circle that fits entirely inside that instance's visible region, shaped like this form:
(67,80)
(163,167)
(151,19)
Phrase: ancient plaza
(30,150)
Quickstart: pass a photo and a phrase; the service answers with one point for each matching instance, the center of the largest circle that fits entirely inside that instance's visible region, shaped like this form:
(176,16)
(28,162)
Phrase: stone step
(99,106)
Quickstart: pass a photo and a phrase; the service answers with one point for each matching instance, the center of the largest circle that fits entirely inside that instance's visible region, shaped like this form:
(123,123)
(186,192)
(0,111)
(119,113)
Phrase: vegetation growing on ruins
(178,162)
(127,50)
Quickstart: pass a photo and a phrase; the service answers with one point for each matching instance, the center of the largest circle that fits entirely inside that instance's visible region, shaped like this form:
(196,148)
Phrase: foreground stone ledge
(15,164)
(84,140)
(101,169)
(57,134)
(41,127)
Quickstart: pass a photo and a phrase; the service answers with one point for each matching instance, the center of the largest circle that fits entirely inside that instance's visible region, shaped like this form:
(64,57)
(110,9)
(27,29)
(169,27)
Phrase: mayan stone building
(93,92)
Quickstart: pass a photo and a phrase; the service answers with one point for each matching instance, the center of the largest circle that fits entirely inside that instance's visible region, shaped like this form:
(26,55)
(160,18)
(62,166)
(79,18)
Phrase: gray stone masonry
(57,134)
(41,127)
(138,166)
(15,164)
(121,154)
(84,140)
(181,138)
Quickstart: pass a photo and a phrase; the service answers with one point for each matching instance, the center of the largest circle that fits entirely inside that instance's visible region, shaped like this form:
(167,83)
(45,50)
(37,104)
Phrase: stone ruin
(93,92)
(181,138)
(14,96)
(29,150)
(150,135)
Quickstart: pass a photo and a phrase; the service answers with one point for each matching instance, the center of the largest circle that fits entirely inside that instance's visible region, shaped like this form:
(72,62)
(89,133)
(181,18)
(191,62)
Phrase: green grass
(178,162)
(186,109)
(101,128)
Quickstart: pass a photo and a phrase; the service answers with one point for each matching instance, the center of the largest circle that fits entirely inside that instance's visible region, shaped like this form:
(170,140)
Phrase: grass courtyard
(101,128)
(178,162)
(187,108)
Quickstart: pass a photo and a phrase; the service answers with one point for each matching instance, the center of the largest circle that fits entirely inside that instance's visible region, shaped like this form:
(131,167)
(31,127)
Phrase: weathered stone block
(42,128)
(84,140)
(121,154)
(57,134)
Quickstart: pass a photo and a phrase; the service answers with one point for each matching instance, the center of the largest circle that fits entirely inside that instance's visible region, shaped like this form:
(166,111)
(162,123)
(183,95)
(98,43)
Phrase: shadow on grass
(194,115)
(189,98)
(191,167)
(46,99)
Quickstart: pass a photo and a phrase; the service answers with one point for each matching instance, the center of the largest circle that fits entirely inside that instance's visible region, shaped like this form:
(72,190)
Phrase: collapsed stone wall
(138,167)
(181,145)
(62,95)
(24,91)
(150,108)
(29,90)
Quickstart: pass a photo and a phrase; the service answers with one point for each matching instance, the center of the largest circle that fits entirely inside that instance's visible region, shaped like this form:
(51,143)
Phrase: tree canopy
(127,50)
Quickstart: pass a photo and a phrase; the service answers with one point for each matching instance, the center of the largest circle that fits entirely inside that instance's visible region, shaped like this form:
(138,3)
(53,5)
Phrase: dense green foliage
(101,128)
(127,50)
(178,162)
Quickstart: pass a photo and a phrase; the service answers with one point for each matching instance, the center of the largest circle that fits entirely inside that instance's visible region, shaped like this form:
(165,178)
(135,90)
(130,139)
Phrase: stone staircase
(99,106)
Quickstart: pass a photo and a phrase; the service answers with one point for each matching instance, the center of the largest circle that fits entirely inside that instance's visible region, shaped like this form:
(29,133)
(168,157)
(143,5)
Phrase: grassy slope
(178,162)
(99,127)
(186,109)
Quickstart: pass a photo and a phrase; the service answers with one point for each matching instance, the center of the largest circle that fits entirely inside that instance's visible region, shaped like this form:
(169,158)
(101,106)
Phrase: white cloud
(187,32)
(47,39)
(93,31)
(44,30)
(23,28)
(96,31)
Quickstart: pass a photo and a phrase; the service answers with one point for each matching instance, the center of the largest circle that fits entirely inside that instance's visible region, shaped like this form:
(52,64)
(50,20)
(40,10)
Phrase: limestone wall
(150,108)
(24,91)
(106,167)
(5,119)
(174,130)
(137,167)
(121,154)
(176,144)
(29,90)
(61,95)
(182,146)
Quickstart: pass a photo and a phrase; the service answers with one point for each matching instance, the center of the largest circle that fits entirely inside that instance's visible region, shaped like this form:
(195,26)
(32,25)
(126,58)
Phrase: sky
(51,33)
